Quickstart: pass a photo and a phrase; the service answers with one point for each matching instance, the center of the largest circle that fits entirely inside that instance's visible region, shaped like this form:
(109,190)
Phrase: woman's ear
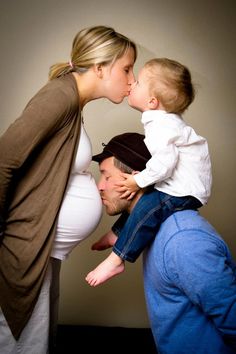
(98,69)
(153,103)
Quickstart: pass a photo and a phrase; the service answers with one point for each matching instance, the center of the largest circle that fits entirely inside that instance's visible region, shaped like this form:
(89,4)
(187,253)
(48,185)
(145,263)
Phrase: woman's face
(118,77)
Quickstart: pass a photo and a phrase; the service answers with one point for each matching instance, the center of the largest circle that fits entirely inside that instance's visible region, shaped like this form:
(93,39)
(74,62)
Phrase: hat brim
(100,157)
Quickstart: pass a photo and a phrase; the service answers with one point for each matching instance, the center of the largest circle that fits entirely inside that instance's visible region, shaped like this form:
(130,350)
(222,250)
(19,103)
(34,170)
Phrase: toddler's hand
(127,186)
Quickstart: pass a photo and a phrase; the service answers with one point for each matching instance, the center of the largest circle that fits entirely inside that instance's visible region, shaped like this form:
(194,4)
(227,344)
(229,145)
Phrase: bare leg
(106,241)
(111,266)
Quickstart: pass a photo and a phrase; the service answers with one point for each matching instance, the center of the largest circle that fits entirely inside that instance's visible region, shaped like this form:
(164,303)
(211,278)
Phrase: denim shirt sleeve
(200,265)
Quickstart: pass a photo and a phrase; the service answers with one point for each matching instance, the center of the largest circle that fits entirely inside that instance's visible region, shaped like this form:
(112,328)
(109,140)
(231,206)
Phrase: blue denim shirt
(190,288)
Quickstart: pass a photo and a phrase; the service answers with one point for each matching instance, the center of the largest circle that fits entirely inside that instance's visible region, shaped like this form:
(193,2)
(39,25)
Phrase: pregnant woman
(49,201)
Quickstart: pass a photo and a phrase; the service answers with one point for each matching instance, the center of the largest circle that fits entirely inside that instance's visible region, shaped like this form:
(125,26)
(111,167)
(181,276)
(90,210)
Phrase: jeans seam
(131,238)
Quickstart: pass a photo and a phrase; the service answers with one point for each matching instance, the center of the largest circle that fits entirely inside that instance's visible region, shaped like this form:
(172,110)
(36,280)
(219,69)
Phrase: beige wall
(34,35)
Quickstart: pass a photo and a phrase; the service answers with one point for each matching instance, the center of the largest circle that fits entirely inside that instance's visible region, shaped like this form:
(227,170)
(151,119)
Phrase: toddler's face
(139,95)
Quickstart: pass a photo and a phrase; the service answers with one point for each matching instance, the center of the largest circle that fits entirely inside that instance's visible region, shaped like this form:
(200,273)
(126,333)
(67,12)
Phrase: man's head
(124,153)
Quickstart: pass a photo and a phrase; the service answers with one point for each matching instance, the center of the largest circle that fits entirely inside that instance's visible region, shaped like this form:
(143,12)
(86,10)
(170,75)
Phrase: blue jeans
(137,230)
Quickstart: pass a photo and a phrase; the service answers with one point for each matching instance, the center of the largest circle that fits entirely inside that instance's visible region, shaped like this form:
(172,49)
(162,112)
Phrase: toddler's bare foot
(105,241)
(112,266)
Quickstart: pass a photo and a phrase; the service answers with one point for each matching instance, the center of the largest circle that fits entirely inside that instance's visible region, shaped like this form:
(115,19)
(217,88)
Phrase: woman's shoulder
(62,91)
(64,86)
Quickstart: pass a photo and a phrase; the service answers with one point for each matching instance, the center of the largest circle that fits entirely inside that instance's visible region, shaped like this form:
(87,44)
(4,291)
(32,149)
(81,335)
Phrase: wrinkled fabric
(190,288)
(36,155)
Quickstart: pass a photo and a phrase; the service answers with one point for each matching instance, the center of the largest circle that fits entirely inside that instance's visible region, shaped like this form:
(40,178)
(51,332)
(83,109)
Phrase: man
(189,273)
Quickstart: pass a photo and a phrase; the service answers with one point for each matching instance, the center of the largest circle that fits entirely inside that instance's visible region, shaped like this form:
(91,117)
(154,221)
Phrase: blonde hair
(93,45)
(171,83)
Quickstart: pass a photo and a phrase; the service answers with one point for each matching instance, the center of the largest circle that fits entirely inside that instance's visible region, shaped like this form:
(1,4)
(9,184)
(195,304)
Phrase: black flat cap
(129,148)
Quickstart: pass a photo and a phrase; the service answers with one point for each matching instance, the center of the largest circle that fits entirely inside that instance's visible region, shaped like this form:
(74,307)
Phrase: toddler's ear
(153,103)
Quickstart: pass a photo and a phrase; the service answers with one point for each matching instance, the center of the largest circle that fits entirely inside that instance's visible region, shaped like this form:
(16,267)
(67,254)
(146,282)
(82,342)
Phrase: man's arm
(202,267)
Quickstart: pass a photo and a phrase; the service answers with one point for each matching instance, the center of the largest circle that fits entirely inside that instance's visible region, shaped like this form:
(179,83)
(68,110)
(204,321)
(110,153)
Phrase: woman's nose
(133,84)
(131,78)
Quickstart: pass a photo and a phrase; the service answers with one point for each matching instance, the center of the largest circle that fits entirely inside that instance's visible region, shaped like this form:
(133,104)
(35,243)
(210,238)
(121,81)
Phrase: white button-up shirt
(180,164)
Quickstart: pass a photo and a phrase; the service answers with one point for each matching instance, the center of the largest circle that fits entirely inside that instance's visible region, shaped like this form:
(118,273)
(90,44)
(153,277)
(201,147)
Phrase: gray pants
(41,328)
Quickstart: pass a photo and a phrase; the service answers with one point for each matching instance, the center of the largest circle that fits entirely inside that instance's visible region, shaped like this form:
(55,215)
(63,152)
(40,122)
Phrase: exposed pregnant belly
(79,215)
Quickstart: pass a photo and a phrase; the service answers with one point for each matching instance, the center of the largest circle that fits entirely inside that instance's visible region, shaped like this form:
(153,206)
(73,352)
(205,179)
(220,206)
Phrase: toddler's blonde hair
(171,83)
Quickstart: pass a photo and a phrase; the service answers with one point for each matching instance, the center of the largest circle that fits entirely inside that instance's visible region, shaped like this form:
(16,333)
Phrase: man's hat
(129,148)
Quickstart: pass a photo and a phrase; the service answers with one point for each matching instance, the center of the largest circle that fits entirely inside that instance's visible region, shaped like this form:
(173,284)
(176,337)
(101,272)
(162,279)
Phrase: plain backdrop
(201,35)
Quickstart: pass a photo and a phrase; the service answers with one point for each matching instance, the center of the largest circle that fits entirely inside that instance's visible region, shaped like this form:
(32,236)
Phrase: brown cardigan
(36,155)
